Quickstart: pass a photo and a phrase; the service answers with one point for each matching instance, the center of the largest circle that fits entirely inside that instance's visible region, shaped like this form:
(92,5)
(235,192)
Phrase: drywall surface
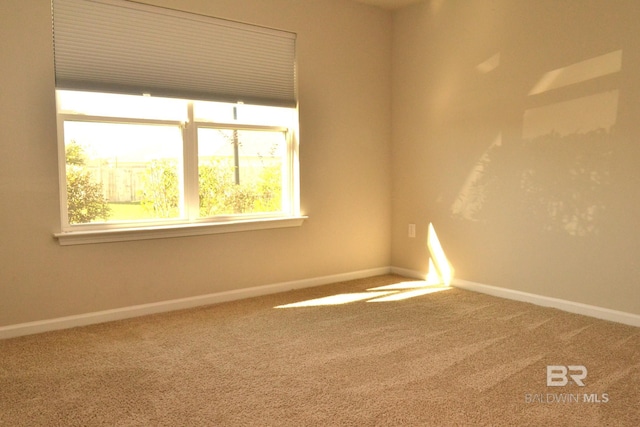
(343,52)
(515,132)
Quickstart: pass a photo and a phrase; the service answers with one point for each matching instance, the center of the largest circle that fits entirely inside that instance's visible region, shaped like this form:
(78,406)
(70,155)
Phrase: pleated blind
(121,46)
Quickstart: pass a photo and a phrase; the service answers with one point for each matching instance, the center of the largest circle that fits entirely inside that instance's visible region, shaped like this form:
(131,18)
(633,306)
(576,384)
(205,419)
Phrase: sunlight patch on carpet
(336,299)
(409,294)
(394,292)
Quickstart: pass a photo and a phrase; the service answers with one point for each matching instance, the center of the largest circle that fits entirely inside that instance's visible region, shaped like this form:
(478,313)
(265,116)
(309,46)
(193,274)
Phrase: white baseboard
(564,305)
(30,328)
(560,304)
(178,304)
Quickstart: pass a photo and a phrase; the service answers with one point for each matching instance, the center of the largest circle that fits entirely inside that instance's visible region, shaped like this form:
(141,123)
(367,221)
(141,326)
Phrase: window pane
(240,171)
(115,105)
(220,112)
(244,113)
(262,115)
(122,172)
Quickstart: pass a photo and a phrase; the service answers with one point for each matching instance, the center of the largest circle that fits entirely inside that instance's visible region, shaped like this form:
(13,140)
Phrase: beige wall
(516,132)
(512,126)
(344,84)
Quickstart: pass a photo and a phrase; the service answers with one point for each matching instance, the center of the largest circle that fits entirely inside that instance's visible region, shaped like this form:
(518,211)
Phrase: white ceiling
(389,4)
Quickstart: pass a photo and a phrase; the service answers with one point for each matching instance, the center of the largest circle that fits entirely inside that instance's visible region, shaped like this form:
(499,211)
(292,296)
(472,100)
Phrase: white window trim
(175,230)
(78,234)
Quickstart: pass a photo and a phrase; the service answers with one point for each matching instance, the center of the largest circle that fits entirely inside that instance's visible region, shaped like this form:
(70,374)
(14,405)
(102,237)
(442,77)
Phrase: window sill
(168,231)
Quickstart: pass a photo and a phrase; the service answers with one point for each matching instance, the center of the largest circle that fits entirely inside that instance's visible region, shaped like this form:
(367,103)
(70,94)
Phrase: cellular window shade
(126,47)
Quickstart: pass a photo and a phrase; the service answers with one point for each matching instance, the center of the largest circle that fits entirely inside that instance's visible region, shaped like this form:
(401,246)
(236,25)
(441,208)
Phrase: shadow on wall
(559,172)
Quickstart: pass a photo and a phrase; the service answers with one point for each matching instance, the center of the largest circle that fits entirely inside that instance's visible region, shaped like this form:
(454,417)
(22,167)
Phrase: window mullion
(190,173)
(62,171)
(288,178)
(293,198)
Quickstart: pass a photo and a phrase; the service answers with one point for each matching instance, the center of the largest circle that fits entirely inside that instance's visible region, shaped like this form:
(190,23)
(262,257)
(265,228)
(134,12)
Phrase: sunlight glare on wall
(575,116)
(440,262)
(471,197)
(489,65)
(579,72)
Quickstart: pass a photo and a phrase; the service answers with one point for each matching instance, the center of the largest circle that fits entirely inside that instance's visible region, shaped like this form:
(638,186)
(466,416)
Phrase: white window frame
(190,223)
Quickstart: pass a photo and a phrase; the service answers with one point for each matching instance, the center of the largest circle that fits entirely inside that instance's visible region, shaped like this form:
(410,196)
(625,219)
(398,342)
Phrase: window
(138,161)
(172,123)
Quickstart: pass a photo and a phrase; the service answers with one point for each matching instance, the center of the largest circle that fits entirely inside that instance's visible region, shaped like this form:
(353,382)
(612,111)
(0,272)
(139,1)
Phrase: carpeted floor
(444,358)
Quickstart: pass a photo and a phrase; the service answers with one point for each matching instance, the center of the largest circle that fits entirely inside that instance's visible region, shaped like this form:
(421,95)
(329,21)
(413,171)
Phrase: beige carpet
(445,358)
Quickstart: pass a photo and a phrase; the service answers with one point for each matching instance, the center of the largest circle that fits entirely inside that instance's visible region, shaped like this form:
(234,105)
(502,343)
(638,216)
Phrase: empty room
(319,212)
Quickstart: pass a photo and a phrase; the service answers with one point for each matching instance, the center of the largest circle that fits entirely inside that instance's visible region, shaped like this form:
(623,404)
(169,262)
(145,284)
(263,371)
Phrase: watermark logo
(557,375)
(561,376)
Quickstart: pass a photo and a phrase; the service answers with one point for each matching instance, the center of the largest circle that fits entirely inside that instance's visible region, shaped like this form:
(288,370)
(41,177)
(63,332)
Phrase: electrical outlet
(412,230)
